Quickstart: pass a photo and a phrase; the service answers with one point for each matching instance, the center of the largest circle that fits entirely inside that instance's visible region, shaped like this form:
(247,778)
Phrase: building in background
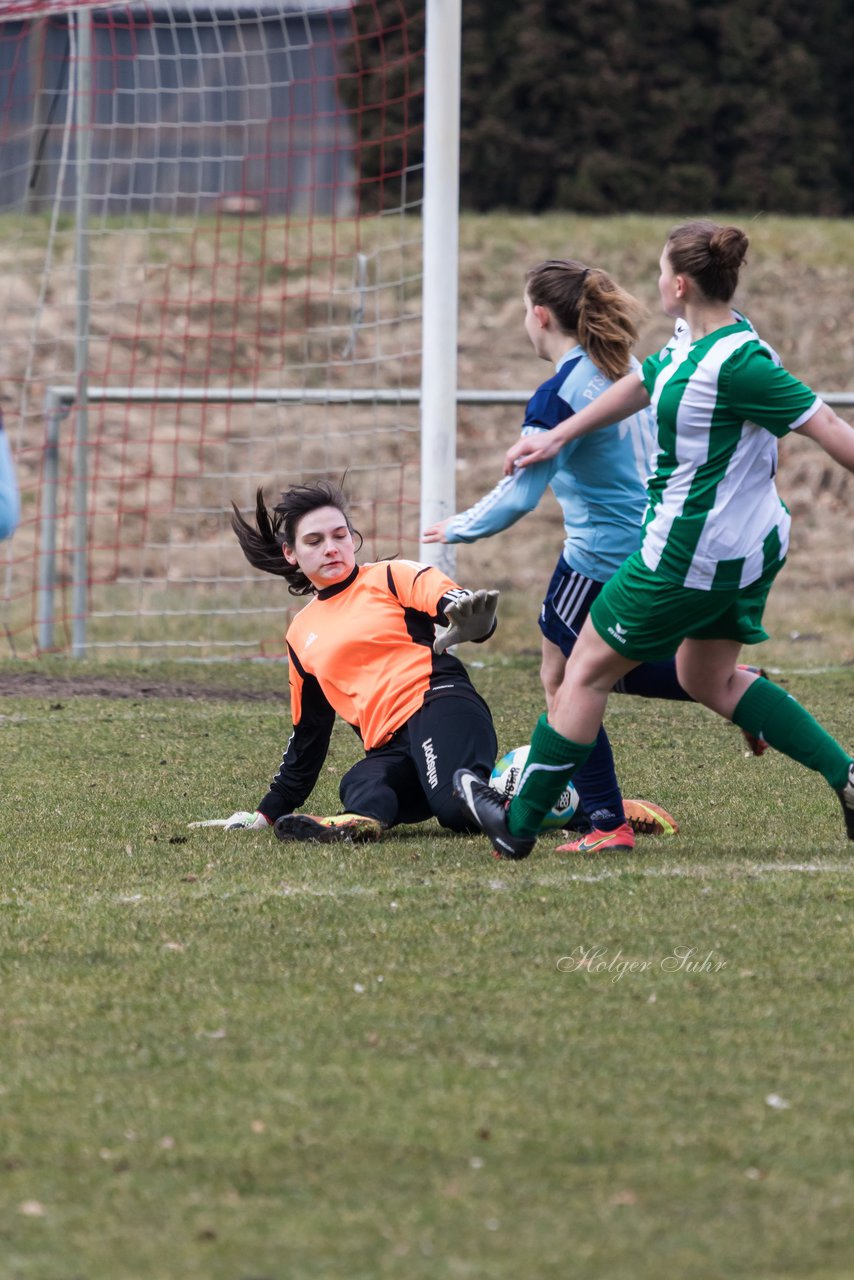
(196,108)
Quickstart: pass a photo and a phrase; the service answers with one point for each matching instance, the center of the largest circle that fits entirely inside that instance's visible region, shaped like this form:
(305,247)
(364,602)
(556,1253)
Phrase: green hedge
(615,105)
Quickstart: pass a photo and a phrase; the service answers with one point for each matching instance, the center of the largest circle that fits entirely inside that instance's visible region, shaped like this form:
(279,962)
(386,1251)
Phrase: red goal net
(212,281)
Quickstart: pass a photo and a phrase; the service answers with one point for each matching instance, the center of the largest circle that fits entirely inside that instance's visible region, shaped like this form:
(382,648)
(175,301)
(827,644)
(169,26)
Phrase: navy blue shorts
(568,599)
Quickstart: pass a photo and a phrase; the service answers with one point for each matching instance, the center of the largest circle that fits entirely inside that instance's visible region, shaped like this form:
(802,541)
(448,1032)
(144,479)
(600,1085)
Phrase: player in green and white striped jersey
(715,535)
(714,515)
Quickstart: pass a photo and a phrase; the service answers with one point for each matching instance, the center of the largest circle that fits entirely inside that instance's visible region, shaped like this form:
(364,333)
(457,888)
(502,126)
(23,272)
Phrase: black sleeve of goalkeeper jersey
(304,754)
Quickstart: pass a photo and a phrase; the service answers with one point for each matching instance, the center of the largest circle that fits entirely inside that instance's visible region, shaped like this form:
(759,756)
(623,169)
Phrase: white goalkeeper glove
(245,822)
(470,617)
(240,821)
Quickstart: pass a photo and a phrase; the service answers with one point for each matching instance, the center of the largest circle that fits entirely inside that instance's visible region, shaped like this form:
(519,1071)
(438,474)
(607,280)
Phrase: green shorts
(645,618)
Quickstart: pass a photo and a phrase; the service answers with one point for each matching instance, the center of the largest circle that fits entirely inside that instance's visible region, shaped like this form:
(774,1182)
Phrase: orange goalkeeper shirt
(368,643)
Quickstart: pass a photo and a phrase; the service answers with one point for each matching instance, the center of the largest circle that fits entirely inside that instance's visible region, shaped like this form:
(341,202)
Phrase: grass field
(229,1059)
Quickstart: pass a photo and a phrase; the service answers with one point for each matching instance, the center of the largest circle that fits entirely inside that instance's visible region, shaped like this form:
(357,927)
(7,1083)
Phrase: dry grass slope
(797,290)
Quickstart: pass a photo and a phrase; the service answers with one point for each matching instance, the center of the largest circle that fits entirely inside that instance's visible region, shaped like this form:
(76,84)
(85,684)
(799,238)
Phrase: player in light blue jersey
(579,319)
(9,502)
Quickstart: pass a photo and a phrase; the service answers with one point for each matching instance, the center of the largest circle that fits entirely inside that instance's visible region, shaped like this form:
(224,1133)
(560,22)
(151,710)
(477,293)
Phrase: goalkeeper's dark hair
(587,302)
(262,544)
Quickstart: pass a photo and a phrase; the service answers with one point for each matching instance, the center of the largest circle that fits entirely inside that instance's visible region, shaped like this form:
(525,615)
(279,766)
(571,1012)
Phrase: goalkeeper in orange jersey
(365,648)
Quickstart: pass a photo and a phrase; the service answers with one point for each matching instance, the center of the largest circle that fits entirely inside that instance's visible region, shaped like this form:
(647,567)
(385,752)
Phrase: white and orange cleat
(353,827)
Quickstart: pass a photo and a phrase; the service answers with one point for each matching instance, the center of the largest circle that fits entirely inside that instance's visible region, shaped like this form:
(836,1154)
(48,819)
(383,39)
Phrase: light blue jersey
(9,503)
(599,480)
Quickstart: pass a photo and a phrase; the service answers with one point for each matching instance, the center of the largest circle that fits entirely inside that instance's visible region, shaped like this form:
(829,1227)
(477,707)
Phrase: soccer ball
(505,779)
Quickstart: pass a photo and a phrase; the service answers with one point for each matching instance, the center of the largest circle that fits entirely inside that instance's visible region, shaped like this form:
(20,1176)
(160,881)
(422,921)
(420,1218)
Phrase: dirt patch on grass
(30,684)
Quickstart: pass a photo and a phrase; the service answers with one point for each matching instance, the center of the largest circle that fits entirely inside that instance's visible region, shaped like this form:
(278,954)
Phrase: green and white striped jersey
(714,517)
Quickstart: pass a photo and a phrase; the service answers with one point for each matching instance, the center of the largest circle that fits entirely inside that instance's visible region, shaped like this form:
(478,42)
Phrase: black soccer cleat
(846,799)
(484,805)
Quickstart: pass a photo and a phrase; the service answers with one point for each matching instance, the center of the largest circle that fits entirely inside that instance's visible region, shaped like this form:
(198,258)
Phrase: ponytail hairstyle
(710,254)
(262,545)
(587,302)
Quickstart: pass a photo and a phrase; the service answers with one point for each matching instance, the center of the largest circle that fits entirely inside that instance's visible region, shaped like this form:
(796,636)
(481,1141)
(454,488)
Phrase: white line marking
(726,871)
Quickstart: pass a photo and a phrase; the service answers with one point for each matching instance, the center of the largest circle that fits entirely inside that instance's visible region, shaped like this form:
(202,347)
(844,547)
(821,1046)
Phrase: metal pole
(440,254)
(83,103)
(40,135)
(313,396)
(55,409)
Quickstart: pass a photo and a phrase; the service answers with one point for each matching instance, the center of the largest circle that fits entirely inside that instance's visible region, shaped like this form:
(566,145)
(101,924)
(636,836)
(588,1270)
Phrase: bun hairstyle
(710,254)
(262,545)
(587,302)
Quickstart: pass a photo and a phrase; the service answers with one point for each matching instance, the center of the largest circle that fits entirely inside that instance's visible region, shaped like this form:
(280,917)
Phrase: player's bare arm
(833,433)
(625,397)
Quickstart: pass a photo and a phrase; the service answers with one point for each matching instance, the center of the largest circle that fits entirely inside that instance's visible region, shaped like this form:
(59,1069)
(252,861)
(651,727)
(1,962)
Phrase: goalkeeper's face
(323,547)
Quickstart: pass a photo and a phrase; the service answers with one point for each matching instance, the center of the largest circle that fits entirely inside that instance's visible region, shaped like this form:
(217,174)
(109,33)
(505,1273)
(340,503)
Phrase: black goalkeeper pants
(409,779)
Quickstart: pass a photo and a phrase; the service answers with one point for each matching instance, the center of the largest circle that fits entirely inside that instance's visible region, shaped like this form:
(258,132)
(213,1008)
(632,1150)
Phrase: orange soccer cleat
(622,840)
(648,819)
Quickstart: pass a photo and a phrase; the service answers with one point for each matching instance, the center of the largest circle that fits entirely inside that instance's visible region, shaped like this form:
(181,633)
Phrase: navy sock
(654,680)
(597,786)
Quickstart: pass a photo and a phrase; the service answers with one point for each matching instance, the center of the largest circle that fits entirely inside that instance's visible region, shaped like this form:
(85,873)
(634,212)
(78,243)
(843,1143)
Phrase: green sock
(555,759)
(768,710)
